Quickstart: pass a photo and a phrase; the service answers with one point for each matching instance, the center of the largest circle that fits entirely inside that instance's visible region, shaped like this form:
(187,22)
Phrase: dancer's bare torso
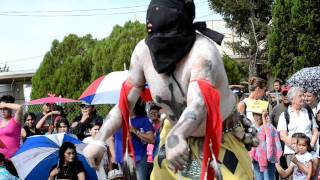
(178,94)
(172,92)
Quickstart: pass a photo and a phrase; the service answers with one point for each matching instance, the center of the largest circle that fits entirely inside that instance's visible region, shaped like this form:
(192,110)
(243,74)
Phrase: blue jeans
(141,168)
(268,174)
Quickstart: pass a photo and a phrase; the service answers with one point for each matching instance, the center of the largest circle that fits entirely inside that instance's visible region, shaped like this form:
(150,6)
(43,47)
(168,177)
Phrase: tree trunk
(252,65)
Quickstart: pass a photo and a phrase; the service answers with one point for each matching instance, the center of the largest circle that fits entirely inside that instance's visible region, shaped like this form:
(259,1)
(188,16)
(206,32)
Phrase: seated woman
(30,126)
(69,167)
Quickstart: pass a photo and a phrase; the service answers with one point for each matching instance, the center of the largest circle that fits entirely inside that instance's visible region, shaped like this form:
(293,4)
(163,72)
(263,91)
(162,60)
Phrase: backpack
(287,116)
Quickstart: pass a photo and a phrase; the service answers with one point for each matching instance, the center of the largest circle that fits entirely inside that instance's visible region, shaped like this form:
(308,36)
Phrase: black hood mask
(173,32)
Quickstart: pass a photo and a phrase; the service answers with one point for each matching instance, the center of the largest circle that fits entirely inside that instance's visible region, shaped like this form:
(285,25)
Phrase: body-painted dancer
(187,79)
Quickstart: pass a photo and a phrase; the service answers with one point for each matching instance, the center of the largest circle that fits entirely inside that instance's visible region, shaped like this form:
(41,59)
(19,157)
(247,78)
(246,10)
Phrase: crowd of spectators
(287,132)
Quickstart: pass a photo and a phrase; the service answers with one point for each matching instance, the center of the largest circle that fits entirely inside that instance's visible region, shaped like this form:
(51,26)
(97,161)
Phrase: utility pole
(5,68)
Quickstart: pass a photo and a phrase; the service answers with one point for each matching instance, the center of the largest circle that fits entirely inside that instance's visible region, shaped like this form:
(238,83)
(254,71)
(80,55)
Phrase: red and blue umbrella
(106,89)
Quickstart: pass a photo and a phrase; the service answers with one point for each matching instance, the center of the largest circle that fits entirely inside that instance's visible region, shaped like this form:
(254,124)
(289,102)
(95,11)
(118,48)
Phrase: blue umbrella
(40,154)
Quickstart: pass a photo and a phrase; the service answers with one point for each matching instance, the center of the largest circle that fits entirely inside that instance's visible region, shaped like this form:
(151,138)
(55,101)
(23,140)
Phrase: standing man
(275,93)
(186,77)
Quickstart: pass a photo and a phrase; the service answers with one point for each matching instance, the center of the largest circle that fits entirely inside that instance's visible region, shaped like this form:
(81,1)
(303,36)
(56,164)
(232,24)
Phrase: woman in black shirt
(30,126)
(69,167)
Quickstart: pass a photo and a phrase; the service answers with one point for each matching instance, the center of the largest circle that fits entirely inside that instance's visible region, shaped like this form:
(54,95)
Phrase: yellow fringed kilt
(236,163)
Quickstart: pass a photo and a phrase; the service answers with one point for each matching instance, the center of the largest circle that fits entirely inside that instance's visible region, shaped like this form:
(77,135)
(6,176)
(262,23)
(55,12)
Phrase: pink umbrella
(51,100)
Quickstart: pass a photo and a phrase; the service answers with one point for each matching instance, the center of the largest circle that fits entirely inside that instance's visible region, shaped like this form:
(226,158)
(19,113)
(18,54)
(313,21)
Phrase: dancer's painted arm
(191,121)
(193,116)
(95,149)
(136,79)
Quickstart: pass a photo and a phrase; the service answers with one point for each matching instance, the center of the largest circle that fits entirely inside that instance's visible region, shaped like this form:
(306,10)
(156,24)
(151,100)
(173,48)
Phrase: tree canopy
(249,19)
(235,71)
(294,38)
(71,65)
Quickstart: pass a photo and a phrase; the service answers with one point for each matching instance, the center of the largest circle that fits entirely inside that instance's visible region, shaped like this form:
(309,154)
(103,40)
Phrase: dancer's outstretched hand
(177,151)
(94,153)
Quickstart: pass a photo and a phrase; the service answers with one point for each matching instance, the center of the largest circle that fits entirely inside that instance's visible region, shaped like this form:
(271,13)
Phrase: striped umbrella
(39,154)
(106,89)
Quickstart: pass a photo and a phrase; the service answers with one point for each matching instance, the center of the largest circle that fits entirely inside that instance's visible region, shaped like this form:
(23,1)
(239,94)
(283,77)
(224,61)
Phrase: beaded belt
(231,123)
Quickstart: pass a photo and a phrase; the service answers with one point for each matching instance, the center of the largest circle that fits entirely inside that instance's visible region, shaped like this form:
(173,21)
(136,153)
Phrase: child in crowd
(4,173)
(269,150)
(62,125)
(94,128)
(301,164)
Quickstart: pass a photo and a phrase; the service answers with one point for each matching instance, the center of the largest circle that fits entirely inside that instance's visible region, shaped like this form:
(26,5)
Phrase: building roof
(22,75)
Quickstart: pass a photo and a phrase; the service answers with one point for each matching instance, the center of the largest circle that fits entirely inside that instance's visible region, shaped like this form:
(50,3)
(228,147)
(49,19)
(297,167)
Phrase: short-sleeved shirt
(304,159)
(140,147)
(71,171)
(297,124)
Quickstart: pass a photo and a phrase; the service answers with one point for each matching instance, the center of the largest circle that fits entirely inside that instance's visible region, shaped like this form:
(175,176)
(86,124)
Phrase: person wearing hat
(81,124)
(186,78)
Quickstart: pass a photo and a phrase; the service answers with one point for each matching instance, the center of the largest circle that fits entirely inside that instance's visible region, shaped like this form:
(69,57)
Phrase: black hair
(95,123)
(153,106)
(2,158)
(33,116)
(63,149)
(302,136)
(140,108)
(277,80)
(62,120)
(60,109)
(296,135)
(7,99)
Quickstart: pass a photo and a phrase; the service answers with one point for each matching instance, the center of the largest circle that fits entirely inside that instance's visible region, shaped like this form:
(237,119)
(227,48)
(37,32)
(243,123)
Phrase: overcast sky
(29,27)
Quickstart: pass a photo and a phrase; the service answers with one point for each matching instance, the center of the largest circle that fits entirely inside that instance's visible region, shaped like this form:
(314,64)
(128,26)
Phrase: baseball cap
(284,90)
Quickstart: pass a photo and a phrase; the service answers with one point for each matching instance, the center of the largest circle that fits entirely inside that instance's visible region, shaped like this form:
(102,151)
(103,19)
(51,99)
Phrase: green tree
(294,38)
(71,65)
(235,71)
(65,69)
(249,19)
(113,52)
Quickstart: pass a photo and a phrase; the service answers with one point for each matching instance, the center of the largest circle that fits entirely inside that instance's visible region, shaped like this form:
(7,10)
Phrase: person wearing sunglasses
(69,166)
(81,124)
